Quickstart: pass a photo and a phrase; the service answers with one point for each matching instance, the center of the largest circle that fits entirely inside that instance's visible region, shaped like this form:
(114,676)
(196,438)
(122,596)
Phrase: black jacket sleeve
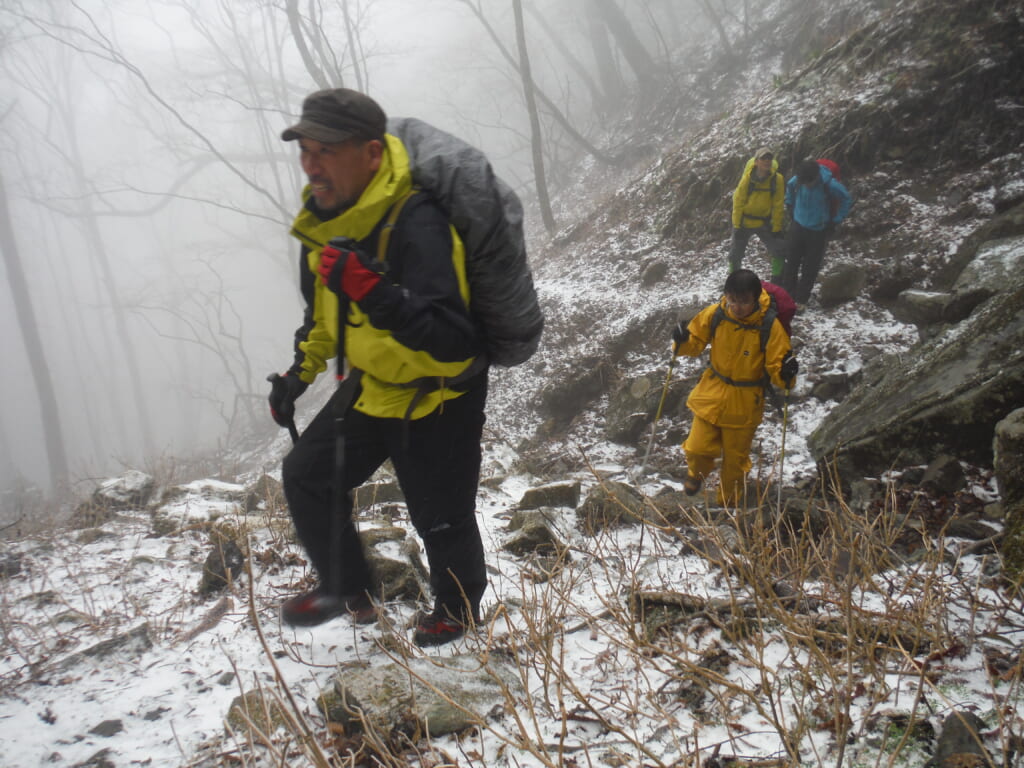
(419,299)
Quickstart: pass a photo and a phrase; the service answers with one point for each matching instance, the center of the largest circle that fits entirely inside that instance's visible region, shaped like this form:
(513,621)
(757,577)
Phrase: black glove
(284,391)
(789,370)
(680,334)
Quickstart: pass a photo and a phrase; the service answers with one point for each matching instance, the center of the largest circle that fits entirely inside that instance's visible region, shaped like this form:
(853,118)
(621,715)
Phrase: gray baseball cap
(336,115)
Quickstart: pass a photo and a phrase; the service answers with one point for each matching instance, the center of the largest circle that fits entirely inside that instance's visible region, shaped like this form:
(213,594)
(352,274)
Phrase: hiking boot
(316,607)
(437,629)
(692,485)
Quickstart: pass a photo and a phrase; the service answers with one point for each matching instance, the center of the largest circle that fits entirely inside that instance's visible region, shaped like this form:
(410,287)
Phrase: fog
(150,195)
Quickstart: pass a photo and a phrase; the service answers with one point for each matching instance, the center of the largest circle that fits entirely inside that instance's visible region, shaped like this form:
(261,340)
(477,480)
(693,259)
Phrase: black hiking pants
(437,461)
(805,253)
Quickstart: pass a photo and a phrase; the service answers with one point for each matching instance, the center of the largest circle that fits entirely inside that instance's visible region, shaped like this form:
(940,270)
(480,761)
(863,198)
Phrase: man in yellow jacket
(757,209)
(728,401)
(389,266)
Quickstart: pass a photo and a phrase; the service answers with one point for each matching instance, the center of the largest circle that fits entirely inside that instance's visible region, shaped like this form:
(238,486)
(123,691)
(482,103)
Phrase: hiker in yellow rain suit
(749,348)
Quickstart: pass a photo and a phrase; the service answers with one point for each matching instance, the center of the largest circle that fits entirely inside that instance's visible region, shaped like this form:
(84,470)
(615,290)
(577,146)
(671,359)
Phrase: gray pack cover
(489,218)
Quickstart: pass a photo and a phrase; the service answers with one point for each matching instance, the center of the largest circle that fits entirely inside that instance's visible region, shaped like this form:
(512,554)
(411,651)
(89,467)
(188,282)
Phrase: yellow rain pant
(708,442)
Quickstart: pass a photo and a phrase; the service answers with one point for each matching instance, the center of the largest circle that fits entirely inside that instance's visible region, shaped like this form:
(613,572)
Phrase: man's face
(764,164)
(338,173)
(740,306)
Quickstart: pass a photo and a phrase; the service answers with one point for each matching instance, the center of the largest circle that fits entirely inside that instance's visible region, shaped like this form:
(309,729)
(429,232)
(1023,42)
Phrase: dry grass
(822,642)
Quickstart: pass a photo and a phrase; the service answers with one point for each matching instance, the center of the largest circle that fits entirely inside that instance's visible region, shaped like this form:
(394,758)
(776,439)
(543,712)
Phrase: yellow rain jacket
(754,203)
(392,372)
(736,355)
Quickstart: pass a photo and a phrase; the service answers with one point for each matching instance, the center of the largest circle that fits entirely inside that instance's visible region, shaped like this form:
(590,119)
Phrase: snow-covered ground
(161,700)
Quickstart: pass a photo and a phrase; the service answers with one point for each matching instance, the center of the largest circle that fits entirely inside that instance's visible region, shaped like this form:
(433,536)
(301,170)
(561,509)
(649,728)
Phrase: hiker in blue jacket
(817,203)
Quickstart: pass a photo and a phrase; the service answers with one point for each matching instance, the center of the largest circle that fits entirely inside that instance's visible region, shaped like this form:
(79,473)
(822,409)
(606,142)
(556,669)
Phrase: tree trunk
(350,33)
(52,435)
(531,107)
(299,36)
(596,96)
(633,50)
(604,57)
(716,21)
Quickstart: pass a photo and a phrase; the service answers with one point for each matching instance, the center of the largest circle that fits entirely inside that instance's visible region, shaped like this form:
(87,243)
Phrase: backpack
(748,170)
(784,305)
(489,218)
(833,167)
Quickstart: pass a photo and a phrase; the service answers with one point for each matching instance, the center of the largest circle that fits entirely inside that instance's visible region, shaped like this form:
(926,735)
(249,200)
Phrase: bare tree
(549,105)
(531,108)
(608,70)
(52,434)
(633,50)
(558,41)
(715,17)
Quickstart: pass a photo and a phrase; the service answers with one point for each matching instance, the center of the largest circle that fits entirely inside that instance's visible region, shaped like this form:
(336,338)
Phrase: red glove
(328,258)
(347,271)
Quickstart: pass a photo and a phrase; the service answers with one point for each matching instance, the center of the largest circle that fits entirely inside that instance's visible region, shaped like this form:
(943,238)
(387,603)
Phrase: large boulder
(946,395)
(1008,448)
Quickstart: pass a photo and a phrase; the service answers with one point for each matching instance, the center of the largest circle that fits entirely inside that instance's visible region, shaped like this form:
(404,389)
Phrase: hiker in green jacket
(757,209)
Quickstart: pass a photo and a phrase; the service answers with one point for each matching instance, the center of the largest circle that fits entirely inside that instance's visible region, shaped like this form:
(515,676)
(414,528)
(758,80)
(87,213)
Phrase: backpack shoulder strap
(716,320)
(389,225)
(766,324)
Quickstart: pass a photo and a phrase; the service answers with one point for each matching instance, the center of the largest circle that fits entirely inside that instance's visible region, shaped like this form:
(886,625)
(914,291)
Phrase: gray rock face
(948,394)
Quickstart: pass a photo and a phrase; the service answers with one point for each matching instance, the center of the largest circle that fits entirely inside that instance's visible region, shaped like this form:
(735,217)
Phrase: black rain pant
(805,253)
(437,461)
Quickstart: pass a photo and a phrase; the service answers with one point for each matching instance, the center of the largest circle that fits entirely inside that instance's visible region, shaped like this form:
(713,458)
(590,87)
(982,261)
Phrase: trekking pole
(657,415)
(782,448)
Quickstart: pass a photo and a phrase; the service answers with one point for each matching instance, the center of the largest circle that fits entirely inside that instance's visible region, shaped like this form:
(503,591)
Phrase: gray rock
(843,283)
(921,308)
(1009,470)
(1008,457)
(133,643)
(222,567)
(565,494)
(533,536)
(397,580)
(634,404)
(107,728)
(421,695)
(377,493)
(254,709)
(565,399)
(944,475)
(653,273)
(131,491)
(960,743)
(11,564)
(267,493)
(609,505)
